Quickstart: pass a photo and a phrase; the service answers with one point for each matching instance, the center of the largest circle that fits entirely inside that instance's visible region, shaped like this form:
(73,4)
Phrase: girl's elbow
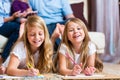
(9,71)
(62,71)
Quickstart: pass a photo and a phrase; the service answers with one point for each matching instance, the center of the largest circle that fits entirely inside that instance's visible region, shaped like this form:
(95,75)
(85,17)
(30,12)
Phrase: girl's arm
(63,67)
(15,71)
(12,68)
(90,69)
(91,60)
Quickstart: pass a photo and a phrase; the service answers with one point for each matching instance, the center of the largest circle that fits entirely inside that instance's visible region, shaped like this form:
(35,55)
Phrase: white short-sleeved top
(20,52)
(92,50)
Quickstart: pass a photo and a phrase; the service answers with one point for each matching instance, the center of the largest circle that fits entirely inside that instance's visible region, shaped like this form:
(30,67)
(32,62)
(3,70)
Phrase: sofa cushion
(3,41)
(99,39)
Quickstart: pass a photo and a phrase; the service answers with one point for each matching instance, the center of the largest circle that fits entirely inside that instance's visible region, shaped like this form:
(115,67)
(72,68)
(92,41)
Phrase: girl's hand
(2,70)
(61,28)
(89,71)
(76,70)
(16,14)
(24,14)
(32,72)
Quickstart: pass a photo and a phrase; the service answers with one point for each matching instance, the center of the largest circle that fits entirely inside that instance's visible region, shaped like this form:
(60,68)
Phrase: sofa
(96,37)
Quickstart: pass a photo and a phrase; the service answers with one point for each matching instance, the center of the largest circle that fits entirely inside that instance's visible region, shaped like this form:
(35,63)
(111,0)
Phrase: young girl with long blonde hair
(32,54)
(77,53)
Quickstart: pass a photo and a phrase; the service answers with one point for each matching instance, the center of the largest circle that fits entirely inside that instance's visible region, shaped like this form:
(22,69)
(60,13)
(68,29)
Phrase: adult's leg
(54,29)
(8,28)
(11,31)
(51,28)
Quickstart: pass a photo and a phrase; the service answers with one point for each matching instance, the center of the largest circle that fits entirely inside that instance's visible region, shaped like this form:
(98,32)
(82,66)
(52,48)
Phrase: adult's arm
(11,18)
(67,10)
(69,16)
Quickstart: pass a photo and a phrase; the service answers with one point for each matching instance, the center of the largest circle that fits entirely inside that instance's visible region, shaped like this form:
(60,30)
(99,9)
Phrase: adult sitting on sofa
(8,28)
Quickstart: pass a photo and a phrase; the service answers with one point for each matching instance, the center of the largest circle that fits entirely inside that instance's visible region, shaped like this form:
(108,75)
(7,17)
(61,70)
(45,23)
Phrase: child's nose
(36,36)
(75,30)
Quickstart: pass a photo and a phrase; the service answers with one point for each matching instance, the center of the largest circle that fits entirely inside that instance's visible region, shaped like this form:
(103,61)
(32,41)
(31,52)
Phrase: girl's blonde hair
(45,63)
(84,47)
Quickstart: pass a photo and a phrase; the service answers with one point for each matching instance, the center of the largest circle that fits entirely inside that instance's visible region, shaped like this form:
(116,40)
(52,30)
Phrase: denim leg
(8,28)
(51,28)
(11,31)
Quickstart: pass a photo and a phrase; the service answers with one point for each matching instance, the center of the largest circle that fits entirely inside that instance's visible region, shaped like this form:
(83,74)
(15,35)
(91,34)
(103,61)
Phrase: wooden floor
(112,68)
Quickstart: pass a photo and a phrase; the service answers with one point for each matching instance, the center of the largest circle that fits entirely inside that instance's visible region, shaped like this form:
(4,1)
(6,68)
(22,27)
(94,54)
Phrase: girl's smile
(35,36)
(75,33)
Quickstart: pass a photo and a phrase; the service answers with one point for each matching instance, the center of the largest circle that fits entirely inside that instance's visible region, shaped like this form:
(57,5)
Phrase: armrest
(3,41)
(99,39)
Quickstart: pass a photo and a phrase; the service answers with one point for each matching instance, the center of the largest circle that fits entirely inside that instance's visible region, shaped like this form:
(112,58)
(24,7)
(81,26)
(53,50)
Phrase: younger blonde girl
(77,53)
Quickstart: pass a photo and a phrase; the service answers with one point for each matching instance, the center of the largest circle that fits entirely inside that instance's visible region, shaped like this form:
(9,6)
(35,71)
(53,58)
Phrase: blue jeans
(11,31)
(51,27)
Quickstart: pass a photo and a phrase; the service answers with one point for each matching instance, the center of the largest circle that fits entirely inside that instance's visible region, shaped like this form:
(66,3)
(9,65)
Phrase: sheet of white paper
(9,77)
(16,77)
(83,76)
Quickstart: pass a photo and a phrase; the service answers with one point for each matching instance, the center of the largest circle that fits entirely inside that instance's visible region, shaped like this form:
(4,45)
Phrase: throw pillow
(78,9)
